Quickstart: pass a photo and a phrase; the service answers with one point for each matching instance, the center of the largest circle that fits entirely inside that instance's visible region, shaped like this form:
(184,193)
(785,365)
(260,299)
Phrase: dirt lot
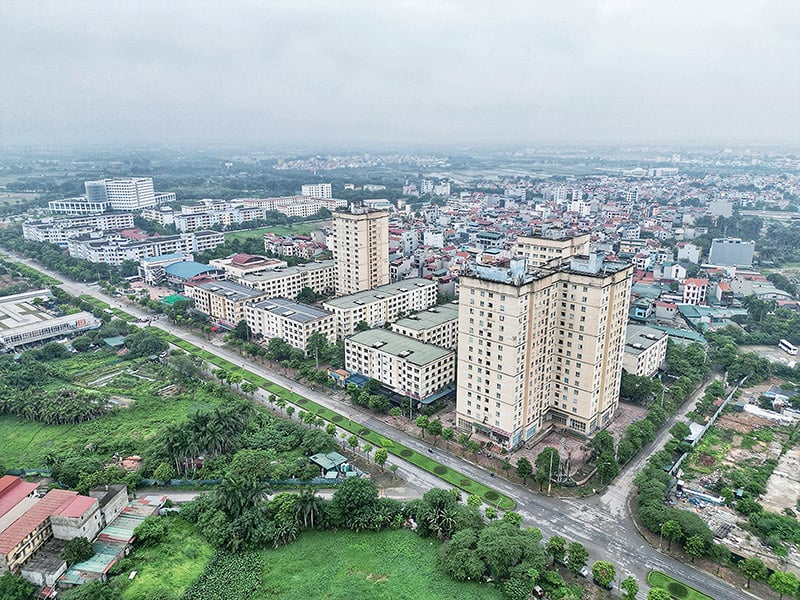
(772,353)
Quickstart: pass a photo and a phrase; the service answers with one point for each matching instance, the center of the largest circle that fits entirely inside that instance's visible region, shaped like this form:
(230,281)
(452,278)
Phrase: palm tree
(236,495)
(309,507)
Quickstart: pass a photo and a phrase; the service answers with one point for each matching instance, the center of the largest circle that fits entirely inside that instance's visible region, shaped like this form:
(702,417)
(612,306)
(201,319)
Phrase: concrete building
(126,193)
(59,230)
(402,364)
(116,249)
(360,250)
(437,325)
(695,291)
(291,321)
(541,347)
(77,206)
(224,301)
(239,265)
(729,252)
(289,282)
(151,268)
(645,350)
(541,250)
(688,252)
(381,305)
(317,190)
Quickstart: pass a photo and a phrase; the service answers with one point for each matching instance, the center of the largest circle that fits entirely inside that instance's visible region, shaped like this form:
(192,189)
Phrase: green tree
(77,550)
(352,441)
(474,500)
(381,456)
(576,557)
(13,587)
(447,434)
(151,531)
(491,513)
(241,331)
(422,422)
(290,411)
(435,429)
(658,594)
(783,583)
(459,557)
(316,345)
(630,586)
(607,467)
(556,547)
(603,572)
(546,464)
(752,568)
(330,429)
(680,431)
(672,531)
(524,469)
(362,326)
(601,442)
(163,472)
(695,546)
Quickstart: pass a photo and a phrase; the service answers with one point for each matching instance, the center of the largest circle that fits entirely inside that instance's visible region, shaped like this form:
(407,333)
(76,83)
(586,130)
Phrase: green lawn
(24,444)
(295,229)
(678,590)
(393,565)
(168,569)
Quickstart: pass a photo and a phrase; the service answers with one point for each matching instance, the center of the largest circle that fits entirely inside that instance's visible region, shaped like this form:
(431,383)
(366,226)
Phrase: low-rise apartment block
(437,325)
(289,282)
(291,321)
(645,350)
(59,230)
(382,304)
(239,265)
(223,301)
(116,249)
(402,364)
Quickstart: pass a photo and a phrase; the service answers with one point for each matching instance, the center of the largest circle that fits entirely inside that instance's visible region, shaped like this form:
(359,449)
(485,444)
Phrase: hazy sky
(425,72)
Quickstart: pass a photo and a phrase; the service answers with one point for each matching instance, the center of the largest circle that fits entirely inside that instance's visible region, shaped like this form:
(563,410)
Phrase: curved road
(598,522)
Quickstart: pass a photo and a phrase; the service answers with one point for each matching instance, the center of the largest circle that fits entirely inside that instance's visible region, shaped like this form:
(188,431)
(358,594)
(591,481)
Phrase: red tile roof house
(30,522)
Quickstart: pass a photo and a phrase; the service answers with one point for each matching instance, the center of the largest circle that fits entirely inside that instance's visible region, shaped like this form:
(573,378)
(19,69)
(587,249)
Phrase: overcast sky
(461,72)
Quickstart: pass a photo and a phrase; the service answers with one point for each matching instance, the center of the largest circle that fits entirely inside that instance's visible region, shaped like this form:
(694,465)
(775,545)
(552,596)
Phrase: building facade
(541,250)
(59,230)
(729,252)
(223,301)
(116,249)
(381,305)
(317,190)
(360,250)
(695,291)
(437,325)
(645,350)
(541,348)
(291,321)
(402,364)
(289,282)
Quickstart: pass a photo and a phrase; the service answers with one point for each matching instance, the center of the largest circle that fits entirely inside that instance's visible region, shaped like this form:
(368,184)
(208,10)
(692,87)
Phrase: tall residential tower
(360,249)
(541,347)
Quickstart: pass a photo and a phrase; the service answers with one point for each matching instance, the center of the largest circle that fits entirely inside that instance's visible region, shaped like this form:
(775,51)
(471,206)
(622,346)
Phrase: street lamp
(660,534)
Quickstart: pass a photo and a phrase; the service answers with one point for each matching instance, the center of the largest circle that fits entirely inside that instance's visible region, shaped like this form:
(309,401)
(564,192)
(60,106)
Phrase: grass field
(678,590)
(296,229)
(24,444)
(470,486)
(168,569)
(391,565)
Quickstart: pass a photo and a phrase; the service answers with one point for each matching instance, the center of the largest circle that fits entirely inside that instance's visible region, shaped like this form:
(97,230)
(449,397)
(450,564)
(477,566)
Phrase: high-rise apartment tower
(541,348)
(360,249)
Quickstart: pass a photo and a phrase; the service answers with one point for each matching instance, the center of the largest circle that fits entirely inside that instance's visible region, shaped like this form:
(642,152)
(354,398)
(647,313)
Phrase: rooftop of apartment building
(379,293)
(517,274)
(426,319)
(401,346)
(231,291)
(639,338)
(53,502)
(295,311)
(278,273)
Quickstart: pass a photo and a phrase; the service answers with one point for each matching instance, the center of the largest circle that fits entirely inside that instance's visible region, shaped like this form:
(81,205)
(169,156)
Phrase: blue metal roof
(188,269)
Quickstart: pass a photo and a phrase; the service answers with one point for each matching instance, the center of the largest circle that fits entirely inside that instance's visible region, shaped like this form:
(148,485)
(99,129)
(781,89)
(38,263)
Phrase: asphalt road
(607,532)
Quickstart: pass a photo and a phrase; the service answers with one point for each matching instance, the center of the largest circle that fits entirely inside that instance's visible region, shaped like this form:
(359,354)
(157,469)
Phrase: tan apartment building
(222,301)
(360,249)
(402,364)
(541,250)
(541,347)
(437,325)
(381,305)
(291,321)
(289,282)
(645,350)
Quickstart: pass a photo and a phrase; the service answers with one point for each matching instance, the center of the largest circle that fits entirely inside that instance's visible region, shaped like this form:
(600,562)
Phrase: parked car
(562,561)
(584,572)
